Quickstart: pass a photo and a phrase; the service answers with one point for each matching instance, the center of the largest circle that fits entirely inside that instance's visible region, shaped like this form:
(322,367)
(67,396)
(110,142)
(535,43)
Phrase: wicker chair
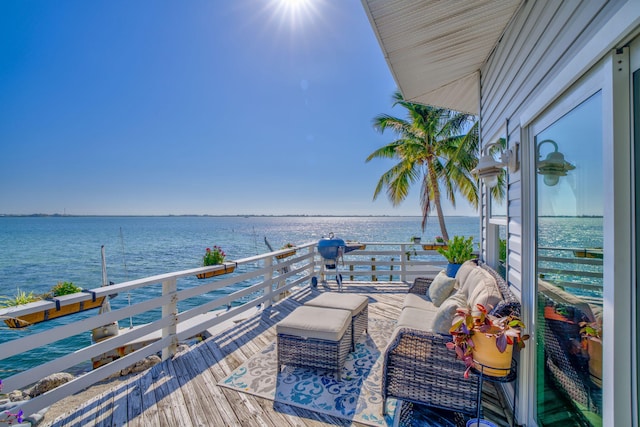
(419,368)
(565,359)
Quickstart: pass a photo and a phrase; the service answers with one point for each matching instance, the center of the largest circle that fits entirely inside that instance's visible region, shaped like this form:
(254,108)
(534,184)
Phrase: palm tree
(433,148)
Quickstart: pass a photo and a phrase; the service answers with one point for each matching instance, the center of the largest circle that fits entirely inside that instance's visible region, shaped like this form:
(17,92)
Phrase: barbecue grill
(330,249)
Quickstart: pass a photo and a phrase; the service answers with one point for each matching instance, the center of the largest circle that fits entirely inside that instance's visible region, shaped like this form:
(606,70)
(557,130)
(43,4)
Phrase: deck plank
(183,391)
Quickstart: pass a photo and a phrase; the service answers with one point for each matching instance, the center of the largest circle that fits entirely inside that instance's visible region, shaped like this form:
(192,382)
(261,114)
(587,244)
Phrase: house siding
(538,46)
(534,48)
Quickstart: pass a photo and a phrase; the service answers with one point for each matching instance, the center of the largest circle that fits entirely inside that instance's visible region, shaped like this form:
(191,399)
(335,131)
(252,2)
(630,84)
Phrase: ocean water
(38,252)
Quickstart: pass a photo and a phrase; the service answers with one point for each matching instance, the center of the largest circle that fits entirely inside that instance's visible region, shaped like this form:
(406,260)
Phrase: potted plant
(591,333)
(288,253)
(439,240)
(58,292)
(214,256)
(457,251)
(416,239)
(481,338)
(20,298)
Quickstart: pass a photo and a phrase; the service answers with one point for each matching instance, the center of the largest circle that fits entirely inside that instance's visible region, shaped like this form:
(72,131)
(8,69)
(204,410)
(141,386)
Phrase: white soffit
(435,48)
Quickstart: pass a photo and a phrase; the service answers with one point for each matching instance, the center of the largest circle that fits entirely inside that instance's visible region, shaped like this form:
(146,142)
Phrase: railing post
(268,262)
(351,269)
(403,262)
(391,268)
(312,263)
(374,278)
(169,287)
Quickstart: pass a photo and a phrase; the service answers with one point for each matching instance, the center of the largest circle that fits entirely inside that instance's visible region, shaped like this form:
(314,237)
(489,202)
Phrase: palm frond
(435,145)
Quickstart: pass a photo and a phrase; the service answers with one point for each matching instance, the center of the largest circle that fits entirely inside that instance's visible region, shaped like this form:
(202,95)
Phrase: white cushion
(446,312)
(418,301)
(415,318)
(486,293)
(315,322)
(441,287)
(353,302)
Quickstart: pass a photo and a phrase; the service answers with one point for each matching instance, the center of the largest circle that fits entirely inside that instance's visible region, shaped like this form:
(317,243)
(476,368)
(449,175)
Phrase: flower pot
(594,348)
(286,254)
(228,268)
(486,353)
(452,269)
(416,240)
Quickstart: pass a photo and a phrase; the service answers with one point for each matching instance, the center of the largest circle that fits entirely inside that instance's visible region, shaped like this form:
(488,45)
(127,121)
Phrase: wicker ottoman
(314,337)
(358,305)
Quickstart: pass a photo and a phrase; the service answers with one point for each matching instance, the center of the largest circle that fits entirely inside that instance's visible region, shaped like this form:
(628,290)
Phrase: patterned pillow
(441,287)
(444,316)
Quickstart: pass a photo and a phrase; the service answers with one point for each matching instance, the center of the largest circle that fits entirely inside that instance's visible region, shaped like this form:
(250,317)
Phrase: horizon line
(218,215)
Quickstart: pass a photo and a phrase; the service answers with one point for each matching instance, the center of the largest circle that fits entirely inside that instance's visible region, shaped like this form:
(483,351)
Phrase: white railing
(576,268)
(257,281)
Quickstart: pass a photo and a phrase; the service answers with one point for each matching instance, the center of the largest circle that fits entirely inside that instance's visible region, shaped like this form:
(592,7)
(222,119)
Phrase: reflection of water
(559,239)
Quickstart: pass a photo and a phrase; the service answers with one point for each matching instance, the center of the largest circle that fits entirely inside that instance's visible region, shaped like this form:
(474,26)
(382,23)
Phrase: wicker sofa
(417,365)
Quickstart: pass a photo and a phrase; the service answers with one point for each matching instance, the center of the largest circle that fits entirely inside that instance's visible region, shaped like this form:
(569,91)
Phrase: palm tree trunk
(443,227)
(435,188)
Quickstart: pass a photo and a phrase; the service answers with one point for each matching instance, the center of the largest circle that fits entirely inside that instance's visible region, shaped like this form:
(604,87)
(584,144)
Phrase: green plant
(213,257)
(591,331)
(458,250)
(502,250)
(65,288)
(288,245)
(507,331)
(411,251)
(439,239)
(21,297)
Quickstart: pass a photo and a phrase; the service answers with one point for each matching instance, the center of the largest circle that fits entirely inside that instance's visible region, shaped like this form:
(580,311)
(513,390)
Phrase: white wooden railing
(263,281)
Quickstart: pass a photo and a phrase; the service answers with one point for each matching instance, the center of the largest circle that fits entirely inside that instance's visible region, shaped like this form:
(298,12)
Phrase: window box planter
(227,268)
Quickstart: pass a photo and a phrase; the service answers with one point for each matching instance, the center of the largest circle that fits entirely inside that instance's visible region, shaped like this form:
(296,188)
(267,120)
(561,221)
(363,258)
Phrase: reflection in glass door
(569,267)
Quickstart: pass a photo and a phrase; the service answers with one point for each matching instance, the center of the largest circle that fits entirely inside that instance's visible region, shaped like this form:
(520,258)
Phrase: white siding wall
(535,47)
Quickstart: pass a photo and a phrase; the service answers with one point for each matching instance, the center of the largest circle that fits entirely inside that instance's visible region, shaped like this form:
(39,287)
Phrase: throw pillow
(443,319)
(441,287)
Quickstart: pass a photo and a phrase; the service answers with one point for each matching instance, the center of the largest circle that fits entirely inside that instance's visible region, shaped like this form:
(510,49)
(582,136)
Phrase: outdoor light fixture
(554,166)
(489,168)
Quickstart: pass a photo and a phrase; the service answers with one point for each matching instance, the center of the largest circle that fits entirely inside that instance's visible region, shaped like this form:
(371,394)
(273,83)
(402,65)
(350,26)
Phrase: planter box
(64,310)
(434,246)
(286,254)
(228,268)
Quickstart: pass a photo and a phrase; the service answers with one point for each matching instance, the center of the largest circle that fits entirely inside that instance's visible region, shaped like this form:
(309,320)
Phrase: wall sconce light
(554,166)
(489,168)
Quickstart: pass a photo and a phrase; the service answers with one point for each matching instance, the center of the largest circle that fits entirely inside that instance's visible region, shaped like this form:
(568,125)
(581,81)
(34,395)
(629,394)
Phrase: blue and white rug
(357,397)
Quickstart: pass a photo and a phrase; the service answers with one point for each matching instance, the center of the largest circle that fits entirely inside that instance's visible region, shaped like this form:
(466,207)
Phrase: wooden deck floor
(183,391)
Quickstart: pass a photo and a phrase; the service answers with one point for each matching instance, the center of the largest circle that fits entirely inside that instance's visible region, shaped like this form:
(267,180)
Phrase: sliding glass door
(569,262)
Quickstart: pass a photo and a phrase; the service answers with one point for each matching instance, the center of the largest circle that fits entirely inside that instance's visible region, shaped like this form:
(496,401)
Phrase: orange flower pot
(486,353)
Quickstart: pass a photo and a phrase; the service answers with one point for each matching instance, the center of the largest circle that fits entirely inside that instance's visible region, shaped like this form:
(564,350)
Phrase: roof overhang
(435,48)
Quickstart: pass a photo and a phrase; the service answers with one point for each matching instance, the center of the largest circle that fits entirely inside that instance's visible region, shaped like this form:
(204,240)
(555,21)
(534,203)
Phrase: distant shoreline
(217,216)
(38,215)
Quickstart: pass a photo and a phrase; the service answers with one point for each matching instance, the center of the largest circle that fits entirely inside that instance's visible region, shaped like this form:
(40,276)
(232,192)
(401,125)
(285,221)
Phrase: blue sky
(198,107)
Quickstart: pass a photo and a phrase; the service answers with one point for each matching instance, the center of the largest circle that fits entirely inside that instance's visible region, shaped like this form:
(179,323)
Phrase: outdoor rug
(356,398)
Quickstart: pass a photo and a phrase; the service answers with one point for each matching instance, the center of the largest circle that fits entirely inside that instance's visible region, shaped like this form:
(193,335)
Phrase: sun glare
(295,12)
